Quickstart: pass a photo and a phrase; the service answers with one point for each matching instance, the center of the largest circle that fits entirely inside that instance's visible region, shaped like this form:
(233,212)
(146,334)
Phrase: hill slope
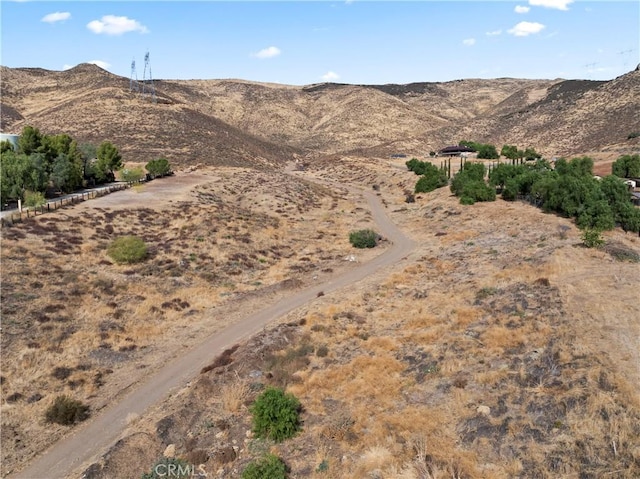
(235,122)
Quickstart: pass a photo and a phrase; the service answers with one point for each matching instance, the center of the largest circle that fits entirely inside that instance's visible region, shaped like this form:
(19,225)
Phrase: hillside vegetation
(241,123)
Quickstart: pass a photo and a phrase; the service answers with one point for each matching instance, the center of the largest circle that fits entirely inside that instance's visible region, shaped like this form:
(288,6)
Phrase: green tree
(109,160)
(88,153)
(15,173)
(531,155)
(29,140)
(66,175)
(431,181)
(596,215)
(5,145)
(487,152)
(158,167)
(276,415)
(627,166)
(510,151)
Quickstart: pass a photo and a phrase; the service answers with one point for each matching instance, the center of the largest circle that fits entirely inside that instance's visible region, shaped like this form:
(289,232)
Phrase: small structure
(631,184)
(635,198)
(455,150)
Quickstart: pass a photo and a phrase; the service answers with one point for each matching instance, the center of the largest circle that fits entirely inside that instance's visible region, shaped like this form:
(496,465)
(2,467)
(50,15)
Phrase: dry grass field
(502,349)
(74,322)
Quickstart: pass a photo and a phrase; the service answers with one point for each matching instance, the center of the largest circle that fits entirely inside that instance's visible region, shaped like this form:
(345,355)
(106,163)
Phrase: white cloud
(521,9)
(557,4)
(494,33)
(113,25)
(56,17)
(100,63)
(268,52)
(330,76)
(524,29)
(469,42)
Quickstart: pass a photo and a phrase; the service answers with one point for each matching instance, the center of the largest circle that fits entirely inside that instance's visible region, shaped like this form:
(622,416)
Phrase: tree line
(568,188)
(41,165)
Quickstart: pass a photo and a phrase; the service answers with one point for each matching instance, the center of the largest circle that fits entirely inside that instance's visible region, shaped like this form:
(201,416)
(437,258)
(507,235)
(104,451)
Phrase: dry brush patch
(475,360)
(73,320)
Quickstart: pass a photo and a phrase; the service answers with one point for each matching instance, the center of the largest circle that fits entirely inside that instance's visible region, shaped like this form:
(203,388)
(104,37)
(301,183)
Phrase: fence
(71,199)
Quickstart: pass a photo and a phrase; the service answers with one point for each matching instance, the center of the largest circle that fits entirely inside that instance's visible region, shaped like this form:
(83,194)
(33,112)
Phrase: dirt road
(91,439)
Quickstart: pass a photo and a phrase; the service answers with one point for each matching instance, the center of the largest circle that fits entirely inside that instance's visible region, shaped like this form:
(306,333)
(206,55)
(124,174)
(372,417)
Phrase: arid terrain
(241,123)
(498,346)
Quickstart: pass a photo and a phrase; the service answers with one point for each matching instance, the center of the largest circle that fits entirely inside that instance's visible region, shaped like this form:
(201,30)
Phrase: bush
(432,179)
(127,250)
(170,468)
(363,238)
(66,411)
(131,174)
(276,415)
(34,198)
(633,134)
(158,167)
(592,238)
(267,467)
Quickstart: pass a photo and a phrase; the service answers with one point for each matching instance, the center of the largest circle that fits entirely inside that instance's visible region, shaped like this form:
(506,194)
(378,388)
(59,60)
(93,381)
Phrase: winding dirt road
(93,438)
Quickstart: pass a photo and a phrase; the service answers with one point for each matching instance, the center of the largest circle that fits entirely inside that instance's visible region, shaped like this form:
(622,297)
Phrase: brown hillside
(236,122)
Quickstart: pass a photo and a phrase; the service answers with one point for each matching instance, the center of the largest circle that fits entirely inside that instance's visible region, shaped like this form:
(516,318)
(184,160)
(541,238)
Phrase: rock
(484,410)
(170,451)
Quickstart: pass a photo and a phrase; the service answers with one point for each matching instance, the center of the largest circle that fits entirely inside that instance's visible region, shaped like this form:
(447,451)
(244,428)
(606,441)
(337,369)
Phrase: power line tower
(147,82)
(133,79)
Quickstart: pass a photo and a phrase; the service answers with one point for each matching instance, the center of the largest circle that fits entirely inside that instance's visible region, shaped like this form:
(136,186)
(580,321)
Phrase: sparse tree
(109,160)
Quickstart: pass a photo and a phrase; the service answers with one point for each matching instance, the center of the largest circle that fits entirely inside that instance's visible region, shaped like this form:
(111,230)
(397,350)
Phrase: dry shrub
(233,395)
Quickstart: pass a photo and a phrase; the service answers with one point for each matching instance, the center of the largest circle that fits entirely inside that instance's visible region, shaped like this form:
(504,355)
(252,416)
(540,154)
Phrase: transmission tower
(133,80)
(147,82)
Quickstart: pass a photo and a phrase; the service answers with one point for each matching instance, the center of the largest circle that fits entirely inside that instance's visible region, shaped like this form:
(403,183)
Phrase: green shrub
(66,411)
(432,179)
(170,468)
(276,415)
(592,238)
(131,174)
(268,467)
(363,238)
(159,167)
(127,250)
(467,200)
(633,134)
(34,198)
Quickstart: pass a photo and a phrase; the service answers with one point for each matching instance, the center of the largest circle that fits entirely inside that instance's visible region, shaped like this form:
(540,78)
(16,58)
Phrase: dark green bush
(127,250)
(363,238)
(276,415)
(431,179)
(66,411)
(592,238)
(268,467)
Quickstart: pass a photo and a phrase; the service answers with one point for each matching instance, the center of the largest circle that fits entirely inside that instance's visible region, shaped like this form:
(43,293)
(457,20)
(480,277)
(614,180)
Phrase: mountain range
(244,123)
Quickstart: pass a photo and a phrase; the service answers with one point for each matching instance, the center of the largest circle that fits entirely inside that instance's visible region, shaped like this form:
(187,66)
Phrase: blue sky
(304,42)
